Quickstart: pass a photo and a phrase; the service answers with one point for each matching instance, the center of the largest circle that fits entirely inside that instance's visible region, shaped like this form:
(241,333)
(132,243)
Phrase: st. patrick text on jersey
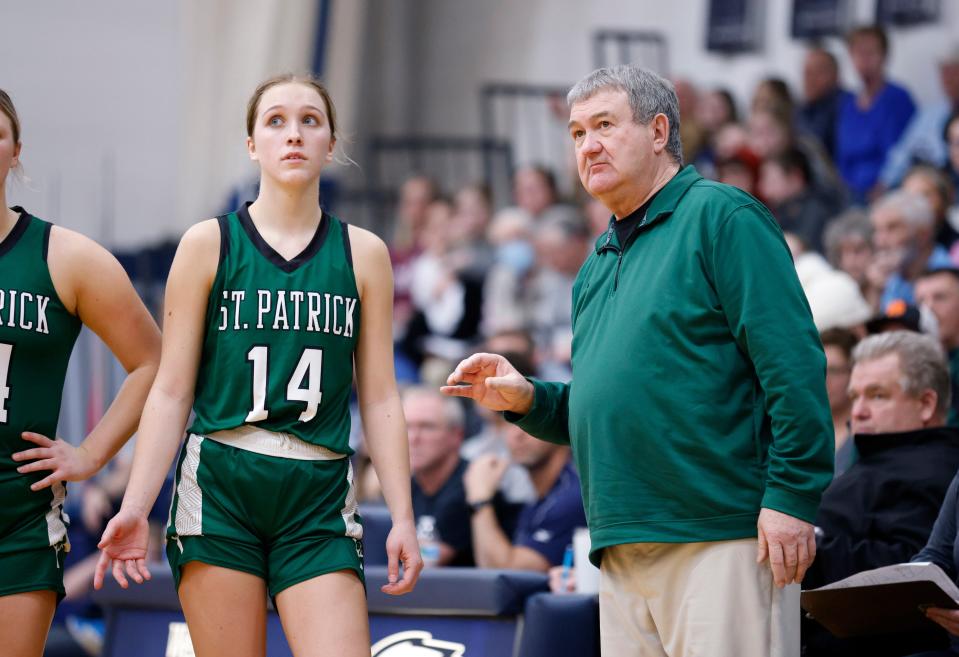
(25,310)
(288,310)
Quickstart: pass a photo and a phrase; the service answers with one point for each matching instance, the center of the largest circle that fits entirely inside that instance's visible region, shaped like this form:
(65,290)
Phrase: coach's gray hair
(453,414)
(921,361)
(648,95)
(914,208)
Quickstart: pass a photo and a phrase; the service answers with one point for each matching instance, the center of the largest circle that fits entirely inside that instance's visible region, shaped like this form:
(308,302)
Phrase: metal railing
(641,47)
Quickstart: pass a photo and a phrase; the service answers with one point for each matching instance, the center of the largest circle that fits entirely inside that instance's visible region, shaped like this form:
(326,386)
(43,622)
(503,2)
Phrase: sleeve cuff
(544,419)
(791,503)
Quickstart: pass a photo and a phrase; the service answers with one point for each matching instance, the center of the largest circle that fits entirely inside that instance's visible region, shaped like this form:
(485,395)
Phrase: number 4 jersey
(280,336)
(37,335)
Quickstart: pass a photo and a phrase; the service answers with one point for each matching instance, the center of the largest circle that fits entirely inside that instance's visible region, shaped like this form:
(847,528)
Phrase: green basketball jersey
(37,335)
(280,335)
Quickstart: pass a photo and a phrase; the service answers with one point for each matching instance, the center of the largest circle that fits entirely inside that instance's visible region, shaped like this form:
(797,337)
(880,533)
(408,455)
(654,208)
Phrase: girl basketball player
(52,281)
(267,309)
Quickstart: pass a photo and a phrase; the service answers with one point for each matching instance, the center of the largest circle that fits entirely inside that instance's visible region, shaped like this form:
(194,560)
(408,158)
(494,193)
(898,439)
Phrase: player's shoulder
(203,235)
(365,243)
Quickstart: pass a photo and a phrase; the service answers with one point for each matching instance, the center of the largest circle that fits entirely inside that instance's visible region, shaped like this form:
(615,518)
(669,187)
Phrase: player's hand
(67,462)
(947,618)
(402,547)
(491,382)
(123,547)
(789,543)
(482,477)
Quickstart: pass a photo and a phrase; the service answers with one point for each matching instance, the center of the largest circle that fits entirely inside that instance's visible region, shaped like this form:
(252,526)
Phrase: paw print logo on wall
(416,644)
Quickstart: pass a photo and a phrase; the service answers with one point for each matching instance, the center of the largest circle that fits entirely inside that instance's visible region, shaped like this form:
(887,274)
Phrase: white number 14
(308,369)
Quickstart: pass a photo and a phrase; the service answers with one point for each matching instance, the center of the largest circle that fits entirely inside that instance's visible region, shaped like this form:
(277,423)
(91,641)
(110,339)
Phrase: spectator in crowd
(822,97)
(904,238)
(507,293)
(562,243)
(772,95)
(872,121)
(848,243)
(898,315)
(834,297)
(435,427)
(692,133)
(715,110)
(415,197)
(771,133)
(881,511)
(933,184)
(785,183)
(545,526)
(951,171)
(942,549)
(741,170)
(838,344)
(923,139)
(534,189)
(952,147)
(447,303)
(472,210)
(938,290)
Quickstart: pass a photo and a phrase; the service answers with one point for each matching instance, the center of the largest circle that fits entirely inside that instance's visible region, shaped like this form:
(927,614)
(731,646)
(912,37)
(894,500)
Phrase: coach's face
(613,152)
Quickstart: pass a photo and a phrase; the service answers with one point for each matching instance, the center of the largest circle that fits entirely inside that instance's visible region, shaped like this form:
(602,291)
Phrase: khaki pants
(694,600)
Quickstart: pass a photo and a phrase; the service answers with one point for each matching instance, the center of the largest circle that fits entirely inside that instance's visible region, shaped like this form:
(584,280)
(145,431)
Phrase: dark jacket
(880,512)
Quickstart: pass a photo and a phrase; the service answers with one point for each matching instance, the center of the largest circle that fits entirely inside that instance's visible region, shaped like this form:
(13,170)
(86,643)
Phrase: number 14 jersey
(280,336)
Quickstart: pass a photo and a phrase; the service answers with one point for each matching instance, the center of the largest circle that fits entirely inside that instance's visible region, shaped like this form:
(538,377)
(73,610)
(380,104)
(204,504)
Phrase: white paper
(900,572)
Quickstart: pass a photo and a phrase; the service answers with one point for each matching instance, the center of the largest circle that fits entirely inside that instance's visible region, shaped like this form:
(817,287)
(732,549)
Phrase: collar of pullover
(656,209)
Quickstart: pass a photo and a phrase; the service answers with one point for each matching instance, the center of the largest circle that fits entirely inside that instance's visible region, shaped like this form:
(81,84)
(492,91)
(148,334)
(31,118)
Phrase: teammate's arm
(92,284)
(380,406)
(124,541)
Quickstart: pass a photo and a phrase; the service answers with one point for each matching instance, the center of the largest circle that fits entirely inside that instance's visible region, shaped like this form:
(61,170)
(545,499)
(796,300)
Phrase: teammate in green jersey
(52,280)
(264,318)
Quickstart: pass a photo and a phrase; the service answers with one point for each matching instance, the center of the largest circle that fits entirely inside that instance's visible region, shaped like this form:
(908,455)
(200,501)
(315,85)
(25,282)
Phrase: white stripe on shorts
(56,529)
(353,528)
(189,507)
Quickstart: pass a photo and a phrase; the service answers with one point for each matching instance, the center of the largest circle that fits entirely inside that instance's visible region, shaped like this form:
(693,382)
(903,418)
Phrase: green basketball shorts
(33,535)
(283,519)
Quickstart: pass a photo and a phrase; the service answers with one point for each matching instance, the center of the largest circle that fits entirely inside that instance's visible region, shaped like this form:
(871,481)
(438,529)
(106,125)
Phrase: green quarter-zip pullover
(698,392)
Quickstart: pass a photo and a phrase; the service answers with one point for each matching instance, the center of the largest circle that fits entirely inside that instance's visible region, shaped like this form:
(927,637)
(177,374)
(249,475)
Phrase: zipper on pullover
(621,250)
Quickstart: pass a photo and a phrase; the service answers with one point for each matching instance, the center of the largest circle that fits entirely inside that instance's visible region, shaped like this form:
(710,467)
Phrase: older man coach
(697,412)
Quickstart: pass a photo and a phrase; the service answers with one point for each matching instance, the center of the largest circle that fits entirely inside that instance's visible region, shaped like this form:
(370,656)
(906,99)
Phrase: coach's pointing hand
(492,382)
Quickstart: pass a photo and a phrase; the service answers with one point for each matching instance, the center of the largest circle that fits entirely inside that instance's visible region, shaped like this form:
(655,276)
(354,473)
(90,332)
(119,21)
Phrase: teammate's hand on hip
(123,547)
(68,463)
(788,542)
(491,381)
(402,547)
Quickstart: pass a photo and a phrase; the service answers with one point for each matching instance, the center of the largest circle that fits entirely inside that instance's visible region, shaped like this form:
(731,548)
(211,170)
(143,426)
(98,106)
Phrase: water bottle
(429,540)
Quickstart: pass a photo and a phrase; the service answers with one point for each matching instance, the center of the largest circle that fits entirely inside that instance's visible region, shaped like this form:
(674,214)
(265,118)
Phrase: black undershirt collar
(624,227)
